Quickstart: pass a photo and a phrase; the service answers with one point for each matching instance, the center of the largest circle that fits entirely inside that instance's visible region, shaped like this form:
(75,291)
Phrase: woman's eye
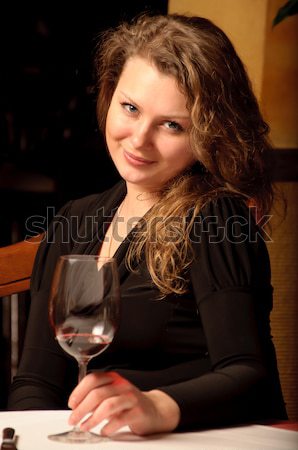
(129,107)
(173,126)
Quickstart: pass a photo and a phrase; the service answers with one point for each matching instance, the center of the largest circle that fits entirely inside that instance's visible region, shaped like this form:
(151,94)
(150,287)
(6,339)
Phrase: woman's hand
(108,396)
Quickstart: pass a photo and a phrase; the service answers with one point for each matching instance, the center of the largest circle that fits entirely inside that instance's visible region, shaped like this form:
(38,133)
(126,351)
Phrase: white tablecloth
(32,428)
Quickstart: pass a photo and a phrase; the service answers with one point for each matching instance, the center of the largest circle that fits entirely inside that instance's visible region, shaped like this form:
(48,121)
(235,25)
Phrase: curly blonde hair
(228,136)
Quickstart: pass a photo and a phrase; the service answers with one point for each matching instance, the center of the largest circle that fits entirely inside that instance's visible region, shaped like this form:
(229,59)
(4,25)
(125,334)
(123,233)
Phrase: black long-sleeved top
(210,349)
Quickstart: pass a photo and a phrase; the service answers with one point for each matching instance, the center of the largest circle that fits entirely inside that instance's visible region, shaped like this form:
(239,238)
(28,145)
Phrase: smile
(136,160)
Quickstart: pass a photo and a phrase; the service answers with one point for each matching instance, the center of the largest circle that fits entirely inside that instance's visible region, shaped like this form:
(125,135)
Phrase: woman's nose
(141,136)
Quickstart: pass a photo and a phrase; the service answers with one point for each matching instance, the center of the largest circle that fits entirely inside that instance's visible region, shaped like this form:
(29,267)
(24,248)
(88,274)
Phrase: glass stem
(82,369)
(82,374)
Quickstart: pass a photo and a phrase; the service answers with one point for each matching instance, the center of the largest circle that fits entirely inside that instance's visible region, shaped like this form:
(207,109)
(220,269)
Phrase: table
(32,428)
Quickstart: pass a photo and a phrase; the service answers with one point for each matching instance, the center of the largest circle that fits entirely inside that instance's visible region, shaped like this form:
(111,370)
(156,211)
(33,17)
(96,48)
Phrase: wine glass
(84,307)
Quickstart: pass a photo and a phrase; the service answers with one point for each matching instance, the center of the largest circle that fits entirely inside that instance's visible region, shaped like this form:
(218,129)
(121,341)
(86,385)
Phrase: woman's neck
(138,202)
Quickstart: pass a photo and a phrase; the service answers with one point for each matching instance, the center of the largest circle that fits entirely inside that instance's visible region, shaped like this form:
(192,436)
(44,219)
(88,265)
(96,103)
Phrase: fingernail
(84,427)
(72,402)
(70,421)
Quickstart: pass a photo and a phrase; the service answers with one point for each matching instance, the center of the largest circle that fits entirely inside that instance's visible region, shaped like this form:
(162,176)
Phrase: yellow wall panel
(284,265)
(269,54)
(244,22)
(279,93)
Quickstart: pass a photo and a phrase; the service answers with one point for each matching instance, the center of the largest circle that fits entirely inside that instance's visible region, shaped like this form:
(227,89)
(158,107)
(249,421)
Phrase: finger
(90,403)
(97,395)
(110,407)
(89,382)
(127,417)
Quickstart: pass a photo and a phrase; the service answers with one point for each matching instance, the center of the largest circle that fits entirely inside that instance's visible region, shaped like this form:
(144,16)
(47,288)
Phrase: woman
(193,350)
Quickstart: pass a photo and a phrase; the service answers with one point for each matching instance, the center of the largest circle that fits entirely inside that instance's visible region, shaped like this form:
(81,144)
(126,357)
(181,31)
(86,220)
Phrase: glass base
(76,436)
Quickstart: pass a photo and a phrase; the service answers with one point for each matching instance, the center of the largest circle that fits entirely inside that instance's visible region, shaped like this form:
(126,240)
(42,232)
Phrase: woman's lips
(136,160)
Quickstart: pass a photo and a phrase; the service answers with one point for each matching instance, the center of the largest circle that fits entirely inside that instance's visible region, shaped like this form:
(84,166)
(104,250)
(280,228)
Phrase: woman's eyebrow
(129,99)
(171,115)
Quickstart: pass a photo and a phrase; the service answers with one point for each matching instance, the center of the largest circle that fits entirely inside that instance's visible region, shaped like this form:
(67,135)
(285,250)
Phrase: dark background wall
(47,109)
(50,146)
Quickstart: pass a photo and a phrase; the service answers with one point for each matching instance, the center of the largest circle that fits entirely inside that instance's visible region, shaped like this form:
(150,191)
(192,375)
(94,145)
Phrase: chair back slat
(16,263)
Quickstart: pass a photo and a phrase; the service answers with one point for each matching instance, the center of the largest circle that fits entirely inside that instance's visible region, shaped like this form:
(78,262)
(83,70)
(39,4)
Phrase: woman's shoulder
(229,246)
(226,205)
(231,219)
(92,203)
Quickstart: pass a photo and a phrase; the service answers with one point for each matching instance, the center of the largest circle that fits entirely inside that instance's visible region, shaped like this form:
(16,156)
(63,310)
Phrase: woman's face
(147,127)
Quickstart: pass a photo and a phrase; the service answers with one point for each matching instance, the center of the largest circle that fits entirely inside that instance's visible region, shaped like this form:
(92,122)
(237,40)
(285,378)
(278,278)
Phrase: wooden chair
(16,263)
